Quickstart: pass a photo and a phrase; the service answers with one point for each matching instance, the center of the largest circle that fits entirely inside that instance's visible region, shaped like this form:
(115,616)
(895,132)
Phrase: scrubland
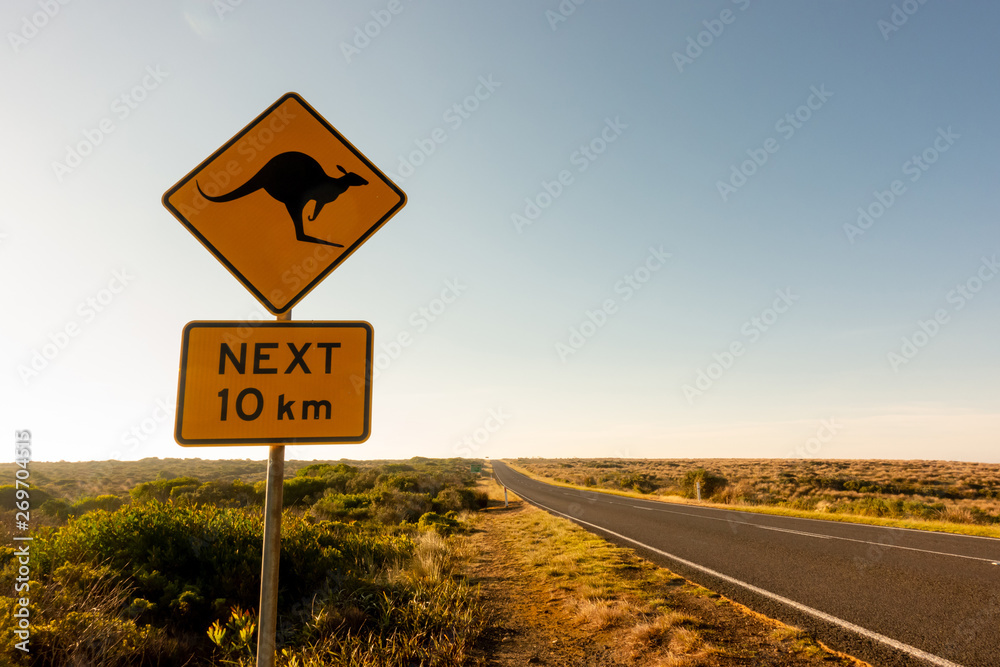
(133,565)
(942,495)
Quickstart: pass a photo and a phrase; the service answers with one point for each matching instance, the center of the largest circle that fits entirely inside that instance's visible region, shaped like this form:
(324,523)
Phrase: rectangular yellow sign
(274,383)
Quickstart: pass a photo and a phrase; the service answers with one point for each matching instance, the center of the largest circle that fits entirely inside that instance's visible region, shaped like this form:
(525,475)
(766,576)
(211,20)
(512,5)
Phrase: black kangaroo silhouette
(295,179)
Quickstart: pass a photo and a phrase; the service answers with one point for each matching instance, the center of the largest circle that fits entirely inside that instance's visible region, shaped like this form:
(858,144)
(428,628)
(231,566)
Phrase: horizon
(504,458)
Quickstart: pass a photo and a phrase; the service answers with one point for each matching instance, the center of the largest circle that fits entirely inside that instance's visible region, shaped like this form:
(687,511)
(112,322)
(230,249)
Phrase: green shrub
(227,494)
(393,507)
(397,467)
(326,470)
(710,483)
(235,639)
(63,510)
(409,482)
(302,490)
(362,482)
(341,506)
(107,502)
(79,619)
(638,481)
(159,489)
(455,500)
(445,525)
(190,562)
(56,508)
(8,495)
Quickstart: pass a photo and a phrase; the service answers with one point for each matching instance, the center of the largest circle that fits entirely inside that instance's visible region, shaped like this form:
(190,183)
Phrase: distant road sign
(274,382)
(284,202)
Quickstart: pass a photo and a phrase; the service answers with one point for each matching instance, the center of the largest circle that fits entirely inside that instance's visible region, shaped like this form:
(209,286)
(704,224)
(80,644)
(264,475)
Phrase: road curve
(891,596)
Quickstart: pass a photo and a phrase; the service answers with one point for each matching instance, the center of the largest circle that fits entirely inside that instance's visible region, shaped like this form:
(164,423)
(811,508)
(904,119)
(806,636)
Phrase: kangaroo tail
(250,186)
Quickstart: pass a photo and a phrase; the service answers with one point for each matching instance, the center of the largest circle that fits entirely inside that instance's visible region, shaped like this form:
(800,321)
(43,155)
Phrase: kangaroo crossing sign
(274,382)
(284,202)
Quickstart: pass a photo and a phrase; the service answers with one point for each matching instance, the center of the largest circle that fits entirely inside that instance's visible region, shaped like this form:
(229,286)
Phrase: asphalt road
(889,596)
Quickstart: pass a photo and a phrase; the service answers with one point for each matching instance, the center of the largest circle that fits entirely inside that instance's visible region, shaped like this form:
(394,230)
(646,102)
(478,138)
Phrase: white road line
(797,532)
(882,639)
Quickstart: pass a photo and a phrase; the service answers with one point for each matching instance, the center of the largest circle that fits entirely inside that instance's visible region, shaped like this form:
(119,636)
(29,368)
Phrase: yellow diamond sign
(284,202)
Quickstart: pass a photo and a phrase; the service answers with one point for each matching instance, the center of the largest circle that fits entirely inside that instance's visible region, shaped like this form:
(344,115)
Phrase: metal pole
(268,618)
(697,486)
(269,563)
(505,496)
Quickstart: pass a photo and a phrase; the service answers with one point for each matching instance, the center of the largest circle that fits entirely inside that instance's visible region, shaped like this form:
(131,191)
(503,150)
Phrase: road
(890,596)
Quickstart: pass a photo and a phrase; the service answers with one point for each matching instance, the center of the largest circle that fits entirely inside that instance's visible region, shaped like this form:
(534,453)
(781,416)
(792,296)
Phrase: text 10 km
(285,407)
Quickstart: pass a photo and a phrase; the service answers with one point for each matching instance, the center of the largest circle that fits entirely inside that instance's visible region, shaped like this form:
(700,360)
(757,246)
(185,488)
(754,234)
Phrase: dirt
(528,623)
(531,622)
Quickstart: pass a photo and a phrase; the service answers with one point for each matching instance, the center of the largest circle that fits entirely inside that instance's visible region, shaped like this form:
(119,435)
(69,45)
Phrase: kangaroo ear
(342,170)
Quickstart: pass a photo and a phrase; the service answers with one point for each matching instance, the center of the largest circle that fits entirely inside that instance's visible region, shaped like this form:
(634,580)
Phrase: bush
(56,507)
(302,490)
(159,489)
(394,507)
(401,482)
(8,495)
(445,525)
(710,483)
(107,502)
(363,481)
(191,563)
(455,500)
(63,510)
(342,506)
(638,481)
(80,619)
(227,494)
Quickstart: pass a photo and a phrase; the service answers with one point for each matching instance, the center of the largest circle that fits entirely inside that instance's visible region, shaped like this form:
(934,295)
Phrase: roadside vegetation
(616,605)
(165,570)
(934,495)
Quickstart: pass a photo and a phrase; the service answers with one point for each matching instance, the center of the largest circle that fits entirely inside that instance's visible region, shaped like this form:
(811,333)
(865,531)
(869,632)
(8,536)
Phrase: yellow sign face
(274,382)
(284,202)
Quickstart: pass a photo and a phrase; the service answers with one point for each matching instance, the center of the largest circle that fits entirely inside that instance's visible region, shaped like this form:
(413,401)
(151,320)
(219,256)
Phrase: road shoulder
(558,595)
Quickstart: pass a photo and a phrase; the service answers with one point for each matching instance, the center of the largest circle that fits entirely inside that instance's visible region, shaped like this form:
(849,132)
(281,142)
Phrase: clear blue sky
(713,154)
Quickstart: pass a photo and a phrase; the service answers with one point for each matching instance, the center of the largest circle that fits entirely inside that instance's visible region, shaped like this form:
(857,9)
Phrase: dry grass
(432,557)
(660,631)
(603,614)
(946,496)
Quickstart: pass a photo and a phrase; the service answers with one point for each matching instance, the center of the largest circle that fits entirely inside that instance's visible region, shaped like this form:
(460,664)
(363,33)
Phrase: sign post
(268,619)
(281,205)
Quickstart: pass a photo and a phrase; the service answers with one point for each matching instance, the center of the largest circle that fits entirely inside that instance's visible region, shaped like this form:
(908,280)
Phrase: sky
(633,229)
